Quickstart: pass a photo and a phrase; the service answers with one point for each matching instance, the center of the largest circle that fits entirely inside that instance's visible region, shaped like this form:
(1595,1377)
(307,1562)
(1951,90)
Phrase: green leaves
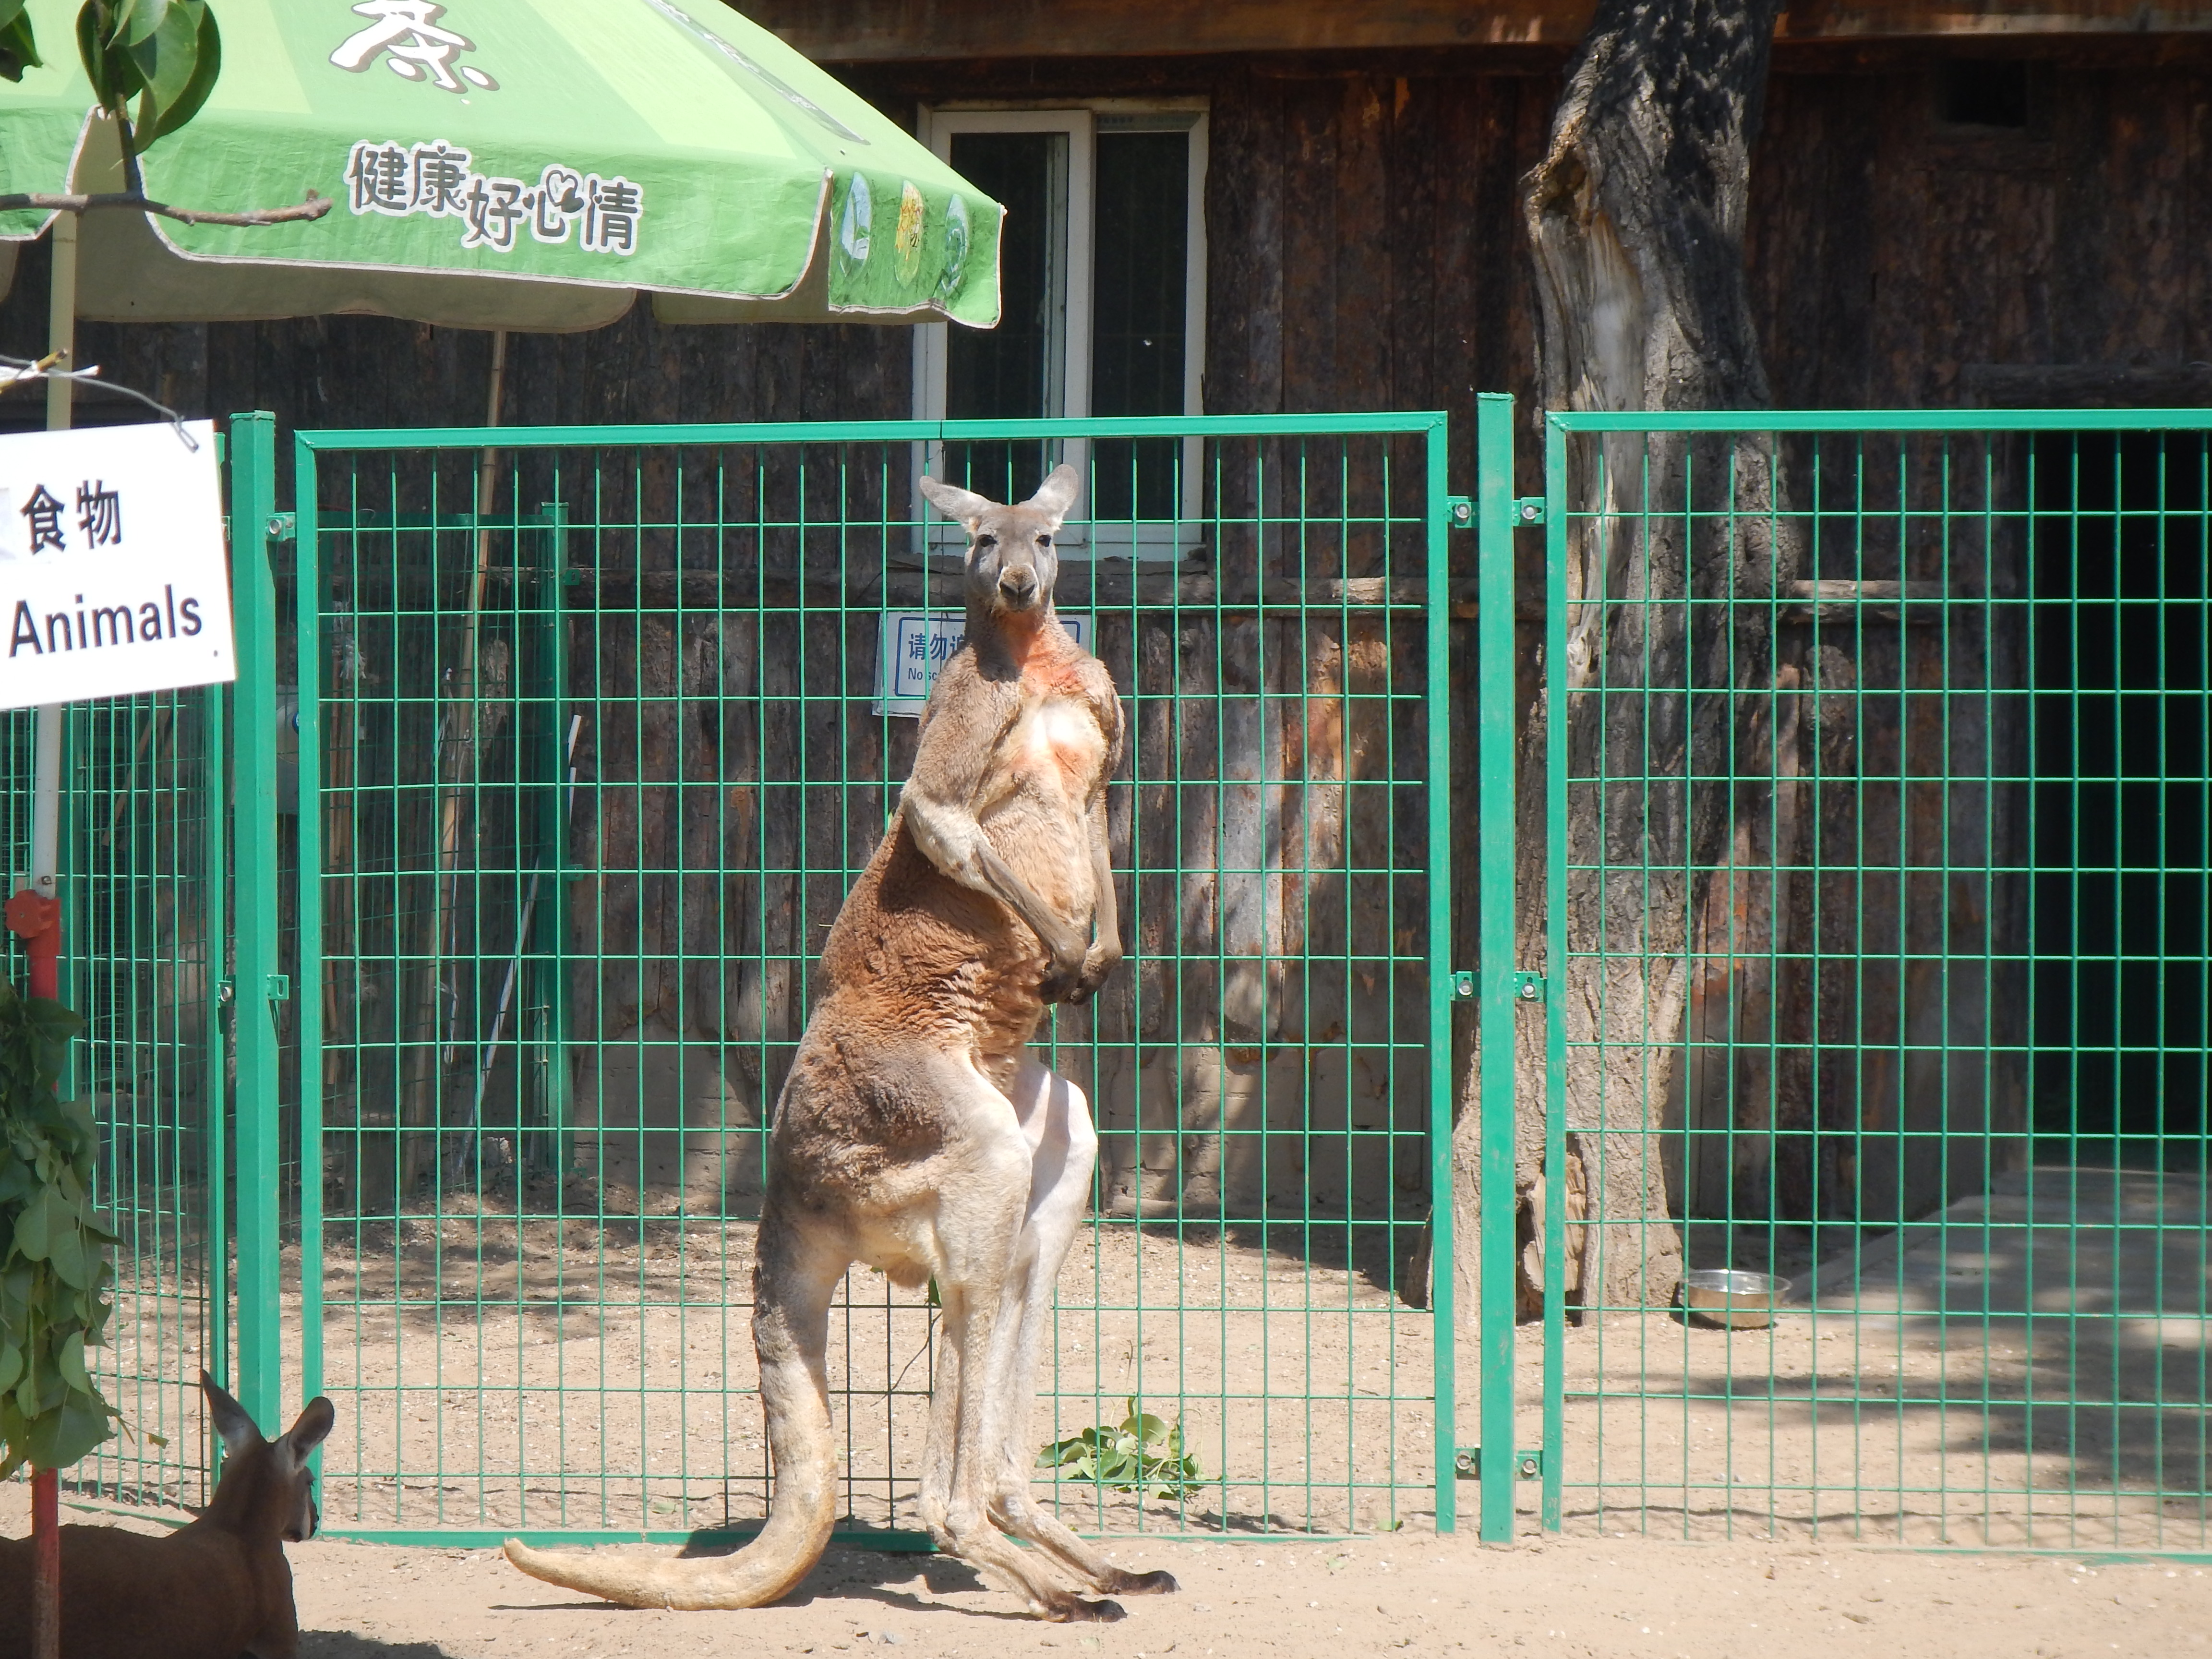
(18,51)
(1143,1455)
(54,1265)
(165,54)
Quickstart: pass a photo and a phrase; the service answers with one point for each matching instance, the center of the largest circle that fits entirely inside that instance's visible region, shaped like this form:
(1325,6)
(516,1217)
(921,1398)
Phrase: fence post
(313,641)
(1442,1302)
(549,979)
(259,984)
(1555,971)
(1498,990)
(214,878)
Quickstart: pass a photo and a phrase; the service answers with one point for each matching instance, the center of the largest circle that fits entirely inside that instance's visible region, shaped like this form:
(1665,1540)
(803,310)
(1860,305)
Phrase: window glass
(1012,370)
(1139,256)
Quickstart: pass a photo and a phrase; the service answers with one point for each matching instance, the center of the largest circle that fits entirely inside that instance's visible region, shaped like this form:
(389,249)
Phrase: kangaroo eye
(986,541)
(1044,541)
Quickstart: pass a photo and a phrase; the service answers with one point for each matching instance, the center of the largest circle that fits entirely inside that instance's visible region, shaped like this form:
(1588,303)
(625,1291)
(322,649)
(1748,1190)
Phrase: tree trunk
(1636,216)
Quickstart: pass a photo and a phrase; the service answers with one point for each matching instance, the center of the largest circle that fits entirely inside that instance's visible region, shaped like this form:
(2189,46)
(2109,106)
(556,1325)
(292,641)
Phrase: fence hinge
(224,989)
(1467,1463)
(283,527)
(1461,510)
(1528,509)
(280,988)
(1528,988)
(1462,983)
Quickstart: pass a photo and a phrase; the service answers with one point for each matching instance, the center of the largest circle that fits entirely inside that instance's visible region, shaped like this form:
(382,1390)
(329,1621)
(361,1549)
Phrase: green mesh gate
(1870,908)
(141,851)
(144,844)
(596,729)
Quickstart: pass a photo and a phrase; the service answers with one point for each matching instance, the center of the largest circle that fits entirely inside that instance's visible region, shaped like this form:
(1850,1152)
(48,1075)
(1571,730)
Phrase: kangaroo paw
(1074,1610)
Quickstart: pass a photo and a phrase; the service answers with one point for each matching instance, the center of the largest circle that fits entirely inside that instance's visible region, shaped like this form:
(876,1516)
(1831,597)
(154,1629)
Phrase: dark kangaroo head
(1011,564)
(267,1491)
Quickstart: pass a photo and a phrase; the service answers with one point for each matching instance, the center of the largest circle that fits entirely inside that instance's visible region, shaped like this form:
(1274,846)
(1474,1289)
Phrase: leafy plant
(1143,1454)
(165,54)
(54,1265)
(18,51)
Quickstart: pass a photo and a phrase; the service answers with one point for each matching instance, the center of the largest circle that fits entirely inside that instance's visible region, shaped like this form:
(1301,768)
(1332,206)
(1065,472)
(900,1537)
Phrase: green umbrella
(528,164)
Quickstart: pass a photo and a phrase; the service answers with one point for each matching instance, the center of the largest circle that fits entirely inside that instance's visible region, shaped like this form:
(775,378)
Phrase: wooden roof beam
(881,31)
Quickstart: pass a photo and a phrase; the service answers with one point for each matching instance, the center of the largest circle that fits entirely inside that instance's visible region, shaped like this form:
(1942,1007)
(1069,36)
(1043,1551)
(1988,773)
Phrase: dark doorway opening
(2121,838)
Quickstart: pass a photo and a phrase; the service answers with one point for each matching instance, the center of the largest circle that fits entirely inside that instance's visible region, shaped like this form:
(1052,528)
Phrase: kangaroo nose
(1019,586)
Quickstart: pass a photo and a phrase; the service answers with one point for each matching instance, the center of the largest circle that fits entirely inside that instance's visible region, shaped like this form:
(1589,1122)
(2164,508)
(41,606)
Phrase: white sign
(113,578)
(915,644)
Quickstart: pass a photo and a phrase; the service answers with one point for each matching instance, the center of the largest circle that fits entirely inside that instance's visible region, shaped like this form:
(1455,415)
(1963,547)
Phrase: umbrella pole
(457,766)
(34,914)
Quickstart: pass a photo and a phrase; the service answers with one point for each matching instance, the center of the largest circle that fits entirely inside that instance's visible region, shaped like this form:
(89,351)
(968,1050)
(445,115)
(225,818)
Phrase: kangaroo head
(1011,564)
(275,1486)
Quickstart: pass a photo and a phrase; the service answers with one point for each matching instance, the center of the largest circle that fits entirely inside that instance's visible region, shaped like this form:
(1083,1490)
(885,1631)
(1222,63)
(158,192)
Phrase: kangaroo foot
(1143,1583)
(1074,1610)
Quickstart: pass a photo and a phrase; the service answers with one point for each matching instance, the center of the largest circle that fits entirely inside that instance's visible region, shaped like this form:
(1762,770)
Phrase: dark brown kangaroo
(215,1589)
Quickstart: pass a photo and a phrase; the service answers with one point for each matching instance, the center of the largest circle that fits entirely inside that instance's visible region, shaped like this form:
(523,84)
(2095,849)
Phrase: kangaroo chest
(1055,750)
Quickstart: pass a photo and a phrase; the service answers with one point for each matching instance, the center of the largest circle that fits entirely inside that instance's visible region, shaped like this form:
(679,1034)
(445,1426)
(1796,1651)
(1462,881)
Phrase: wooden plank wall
(1366,252)
(1888,253)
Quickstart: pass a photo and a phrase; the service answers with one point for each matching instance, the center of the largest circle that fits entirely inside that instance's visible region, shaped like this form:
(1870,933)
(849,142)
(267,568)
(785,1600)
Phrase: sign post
(114,582)
(35,913)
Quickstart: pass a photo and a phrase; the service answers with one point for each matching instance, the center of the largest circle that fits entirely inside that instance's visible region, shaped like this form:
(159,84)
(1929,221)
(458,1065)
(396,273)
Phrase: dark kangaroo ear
(1057,493)
(315,1424)
(231,1424)
(954,502)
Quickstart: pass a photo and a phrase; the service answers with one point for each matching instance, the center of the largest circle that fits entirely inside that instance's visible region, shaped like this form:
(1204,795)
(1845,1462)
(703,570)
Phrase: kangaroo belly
(1049,848)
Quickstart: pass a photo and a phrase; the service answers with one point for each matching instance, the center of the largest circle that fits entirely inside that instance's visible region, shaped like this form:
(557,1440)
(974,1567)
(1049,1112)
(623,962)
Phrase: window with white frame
(1102,280)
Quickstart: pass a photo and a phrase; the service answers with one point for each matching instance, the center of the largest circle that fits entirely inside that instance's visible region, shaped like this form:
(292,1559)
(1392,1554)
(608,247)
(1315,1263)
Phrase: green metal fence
(597,726)
(142,850)
(143,950)
(1872,754)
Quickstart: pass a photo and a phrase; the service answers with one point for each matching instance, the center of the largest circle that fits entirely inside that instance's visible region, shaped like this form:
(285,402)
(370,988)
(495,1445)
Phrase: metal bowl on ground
(1727,1297)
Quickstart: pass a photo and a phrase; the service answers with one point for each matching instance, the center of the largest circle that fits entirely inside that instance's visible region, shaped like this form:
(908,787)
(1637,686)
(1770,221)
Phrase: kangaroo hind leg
(1063,1144)
(979,1225)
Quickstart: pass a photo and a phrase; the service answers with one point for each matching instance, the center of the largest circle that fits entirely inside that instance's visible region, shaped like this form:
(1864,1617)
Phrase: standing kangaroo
(214,1589)
(916,1133)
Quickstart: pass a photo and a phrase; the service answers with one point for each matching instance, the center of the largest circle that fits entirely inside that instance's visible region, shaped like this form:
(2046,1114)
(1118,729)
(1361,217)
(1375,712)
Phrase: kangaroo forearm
(1106,918)
(949,838)
(1061,940)
(953,842)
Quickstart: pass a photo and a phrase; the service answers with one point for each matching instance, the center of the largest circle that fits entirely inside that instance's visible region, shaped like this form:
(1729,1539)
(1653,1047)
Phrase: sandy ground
(1564,1598)
(602,1376)
(1558,1598)
(484,1376)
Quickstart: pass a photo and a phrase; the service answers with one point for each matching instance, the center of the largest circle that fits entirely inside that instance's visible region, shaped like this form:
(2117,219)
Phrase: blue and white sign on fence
(113,576)
(915,644)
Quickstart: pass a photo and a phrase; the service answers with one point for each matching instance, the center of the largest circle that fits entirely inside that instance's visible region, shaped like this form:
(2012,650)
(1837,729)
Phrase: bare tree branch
(313,208)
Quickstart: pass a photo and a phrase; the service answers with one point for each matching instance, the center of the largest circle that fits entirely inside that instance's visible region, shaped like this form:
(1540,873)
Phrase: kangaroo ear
(1057,493)
(313,1426)
(954,502)
(231,1424)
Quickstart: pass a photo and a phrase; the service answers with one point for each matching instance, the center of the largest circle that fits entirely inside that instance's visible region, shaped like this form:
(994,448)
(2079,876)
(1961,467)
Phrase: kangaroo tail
(792,1287)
